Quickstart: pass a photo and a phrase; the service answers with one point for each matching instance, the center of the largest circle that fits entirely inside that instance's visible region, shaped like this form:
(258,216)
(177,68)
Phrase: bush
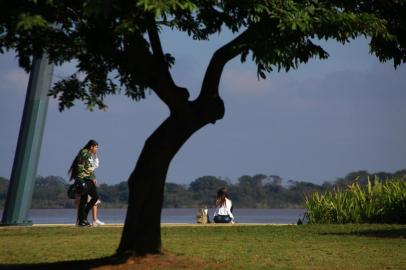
(380,202)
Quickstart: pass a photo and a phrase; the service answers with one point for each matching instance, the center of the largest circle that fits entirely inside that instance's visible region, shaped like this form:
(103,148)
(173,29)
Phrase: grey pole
(20,191)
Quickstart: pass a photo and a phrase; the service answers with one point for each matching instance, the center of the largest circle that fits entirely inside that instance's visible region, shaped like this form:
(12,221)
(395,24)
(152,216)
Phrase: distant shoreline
(169,215)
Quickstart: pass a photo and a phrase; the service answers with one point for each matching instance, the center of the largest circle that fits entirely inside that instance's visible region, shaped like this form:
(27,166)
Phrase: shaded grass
(216,247)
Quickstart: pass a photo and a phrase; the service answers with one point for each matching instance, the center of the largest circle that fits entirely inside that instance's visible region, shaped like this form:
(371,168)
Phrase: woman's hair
(73,167)
(222,194)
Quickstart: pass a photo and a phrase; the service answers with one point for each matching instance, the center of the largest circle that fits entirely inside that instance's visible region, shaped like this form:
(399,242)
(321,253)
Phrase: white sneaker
(98,223)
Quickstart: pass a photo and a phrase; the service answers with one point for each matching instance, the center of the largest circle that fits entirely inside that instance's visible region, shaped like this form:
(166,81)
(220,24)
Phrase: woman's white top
(94,160)
(225,209)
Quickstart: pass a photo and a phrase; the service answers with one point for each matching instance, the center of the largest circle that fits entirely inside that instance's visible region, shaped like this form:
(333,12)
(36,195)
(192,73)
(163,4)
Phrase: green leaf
(28,22)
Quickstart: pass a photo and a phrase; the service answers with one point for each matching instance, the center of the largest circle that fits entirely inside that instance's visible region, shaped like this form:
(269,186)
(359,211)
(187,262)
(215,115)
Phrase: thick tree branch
(219,59)
(162,83)
(209,106)
(154,39)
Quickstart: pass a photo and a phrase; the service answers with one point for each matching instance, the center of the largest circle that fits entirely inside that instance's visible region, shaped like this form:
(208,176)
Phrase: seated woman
(224,206)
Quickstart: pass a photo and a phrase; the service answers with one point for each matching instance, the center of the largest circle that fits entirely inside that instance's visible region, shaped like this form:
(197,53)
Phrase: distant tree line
(258,191)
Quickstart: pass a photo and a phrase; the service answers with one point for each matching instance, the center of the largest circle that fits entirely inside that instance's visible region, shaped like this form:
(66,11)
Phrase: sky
(317,123)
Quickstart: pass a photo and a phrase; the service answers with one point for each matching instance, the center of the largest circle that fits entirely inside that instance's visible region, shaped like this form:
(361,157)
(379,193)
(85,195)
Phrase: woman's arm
(229,206)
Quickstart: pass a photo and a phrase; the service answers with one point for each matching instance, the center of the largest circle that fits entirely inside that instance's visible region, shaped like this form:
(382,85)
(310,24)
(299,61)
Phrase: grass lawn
(213,247)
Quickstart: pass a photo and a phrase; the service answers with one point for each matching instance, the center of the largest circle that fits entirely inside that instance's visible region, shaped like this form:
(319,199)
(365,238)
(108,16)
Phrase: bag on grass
(202,216)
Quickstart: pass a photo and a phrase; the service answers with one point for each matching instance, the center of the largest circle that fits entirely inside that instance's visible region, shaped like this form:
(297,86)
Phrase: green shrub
(377,202)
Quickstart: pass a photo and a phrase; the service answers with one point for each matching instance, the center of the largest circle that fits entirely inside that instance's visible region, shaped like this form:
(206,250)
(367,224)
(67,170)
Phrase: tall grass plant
(376,202)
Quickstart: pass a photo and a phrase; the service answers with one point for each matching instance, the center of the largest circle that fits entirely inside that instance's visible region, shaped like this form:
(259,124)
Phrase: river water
(169,215)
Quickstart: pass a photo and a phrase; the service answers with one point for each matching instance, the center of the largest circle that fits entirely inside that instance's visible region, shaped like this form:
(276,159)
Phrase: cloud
(12,78)
(15,79)
(377,84)
(244,82)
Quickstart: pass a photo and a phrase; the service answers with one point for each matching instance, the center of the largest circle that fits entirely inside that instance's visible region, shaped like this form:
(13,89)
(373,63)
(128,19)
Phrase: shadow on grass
(384,233)
(65,265)
(156,261)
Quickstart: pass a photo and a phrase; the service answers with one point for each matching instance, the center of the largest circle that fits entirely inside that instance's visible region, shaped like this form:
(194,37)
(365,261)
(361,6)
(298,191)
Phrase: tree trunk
(142,228)
(141,233)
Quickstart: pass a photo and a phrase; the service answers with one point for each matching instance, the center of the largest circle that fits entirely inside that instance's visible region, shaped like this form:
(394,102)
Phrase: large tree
(117,48)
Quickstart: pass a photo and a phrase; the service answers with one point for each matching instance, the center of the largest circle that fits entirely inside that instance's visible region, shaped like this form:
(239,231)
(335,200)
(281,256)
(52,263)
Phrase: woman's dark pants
(84,206)
(222,219)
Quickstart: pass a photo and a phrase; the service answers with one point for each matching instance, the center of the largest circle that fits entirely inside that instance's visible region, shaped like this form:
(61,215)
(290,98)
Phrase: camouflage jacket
(85,166)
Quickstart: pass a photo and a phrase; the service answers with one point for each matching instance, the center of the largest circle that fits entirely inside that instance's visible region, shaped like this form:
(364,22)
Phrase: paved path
(162,225)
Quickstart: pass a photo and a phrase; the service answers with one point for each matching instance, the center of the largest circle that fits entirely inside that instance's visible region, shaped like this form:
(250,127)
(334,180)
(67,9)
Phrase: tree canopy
(116,43)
